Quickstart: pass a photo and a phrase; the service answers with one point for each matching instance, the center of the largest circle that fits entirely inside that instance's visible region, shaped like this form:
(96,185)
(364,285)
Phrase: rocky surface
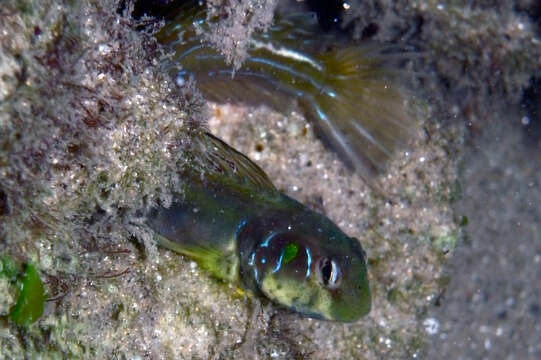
(92,132)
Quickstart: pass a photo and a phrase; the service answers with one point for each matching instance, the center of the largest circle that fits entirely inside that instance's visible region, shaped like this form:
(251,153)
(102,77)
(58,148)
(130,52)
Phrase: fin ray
(368,112)
(225,164)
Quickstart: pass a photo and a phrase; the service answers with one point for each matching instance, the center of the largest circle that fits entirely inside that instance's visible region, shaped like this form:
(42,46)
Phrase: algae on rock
(92,134)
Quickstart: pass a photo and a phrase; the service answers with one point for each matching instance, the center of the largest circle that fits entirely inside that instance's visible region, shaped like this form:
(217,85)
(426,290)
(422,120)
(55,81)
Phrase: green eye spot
(290,253)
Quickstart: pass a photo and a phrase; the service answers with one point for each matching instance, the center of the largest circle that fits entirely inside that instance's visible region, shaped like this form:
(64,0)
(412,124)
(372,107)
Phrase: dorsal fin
(219,163)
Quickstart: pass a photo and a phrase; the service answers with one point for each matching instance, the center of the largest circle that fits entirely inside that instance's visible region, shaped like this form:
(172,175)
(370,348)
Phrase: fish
(228,216)
(349,90)
(235,224)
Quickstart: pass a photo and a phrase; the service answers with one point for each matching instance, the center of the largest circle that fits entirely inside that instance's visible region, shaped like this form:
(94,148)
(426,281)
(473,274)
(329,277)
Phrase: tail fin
(360,112)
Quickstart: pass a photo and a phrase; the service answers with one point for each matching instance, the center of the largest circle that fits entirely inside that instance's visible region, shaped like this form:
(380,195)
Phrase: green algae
(31,300)
(24,288)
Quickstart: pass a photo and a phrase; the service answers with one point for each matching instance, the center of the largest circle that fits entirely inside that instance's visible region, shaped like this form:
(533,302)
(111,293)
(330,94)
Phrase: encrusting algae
(229,217)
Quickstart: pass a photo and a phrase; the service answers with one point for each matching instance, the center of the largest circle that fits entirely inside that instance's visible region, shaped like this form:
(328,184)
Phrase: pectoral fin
(222,265)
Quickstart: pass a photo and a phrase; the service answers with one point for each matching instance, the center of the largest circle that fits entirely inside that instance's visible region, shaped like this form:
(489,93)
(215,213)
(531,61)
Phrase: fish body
(347,89)
(239,227)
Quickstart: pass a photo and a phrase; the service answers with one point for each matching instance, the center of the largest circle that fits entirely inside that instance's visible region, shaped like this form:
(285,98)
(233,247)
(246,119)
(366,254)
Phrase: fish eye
(328,272)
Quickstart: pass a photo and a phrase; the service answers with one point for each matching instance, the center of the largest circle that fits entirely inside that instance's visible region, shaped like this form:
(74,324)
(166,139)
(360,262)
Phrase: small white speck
(432,326)
(179,80)
(195,210)
(422,159)
(346,6)
(525,120)
(483,329)
(104,49)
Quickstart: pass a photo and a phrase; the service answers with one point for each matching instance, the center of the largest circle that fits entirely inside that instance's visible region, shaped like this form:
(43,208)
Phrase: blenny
(232,220)
(229,217)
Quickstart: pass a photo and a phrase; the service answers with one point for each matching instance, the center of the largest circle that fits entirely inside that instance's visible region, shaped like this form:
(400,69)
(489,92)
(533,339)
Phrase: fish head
(312,267)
